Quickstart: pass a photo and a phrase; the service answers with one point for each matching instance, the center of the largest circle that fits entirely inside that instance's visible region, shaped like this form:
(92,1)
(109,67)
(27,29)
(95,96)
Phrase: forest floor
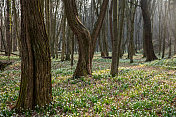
(141,89)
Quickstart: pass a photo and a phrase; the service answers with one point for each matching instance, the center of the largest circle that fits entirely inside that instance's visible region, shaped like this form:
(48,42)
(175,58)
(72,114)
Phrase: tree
(150,55)
(114,68)
(97,27)
(86,42)
(35,87)
(117,35)
(132,12)
(63,39)
(8,37)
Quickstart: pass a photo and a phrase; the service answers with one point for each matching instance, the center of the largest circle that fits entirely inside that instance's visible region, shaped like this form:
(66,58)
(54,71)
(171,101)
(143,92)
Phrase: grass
(141,89)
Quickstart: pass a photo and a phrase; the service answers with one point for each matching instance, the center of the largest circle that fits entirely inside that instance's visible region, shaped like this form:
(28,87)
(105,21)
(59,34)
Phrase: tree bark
(117,30)
(72,50)
(15,29)
(114,68)
(68,45)
(150,55)
(35,87)
(63,39)
(8,37)
(110,21)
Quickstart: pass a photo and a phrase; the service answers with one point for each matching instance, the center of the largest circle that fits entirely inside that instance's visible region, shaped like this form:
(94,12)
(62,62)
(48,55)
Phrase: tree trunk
(114,69)
(170,48)
(3,43)
(117,35)
(83,36)
(57,38)
(150,55)
(100,46)
(164,42)
(98,26)
(63,39)
(105,42)
(110,21)
(8,38)
(35,87)
(68,45)
(15,29)
(72,51)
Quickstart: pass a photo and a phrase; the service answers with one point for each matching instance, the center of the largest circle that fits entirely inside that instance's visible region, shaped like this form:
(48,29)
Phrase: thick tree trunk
(47,13)
(35,87)
(150,55)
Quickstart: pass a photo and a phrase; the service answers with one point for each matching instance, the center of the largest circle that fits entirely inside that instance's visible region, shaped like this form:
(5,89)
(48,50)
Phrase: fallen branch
(108,57)
(3,65)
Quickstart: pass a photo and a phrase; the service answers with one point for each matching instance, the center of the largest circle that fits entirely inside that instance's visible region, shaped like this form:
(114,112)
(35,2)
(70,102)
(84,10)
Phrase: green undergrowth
(163,63)
(137,91)
(2,58)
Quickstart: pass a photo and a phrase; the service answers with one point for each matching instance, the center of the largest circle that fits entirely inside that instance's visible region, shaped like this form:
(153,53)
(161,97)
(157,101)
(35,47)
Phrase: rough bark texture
(8,38)
(3,43)
(35,87)
(83,36)
(114,68)
(117,36)
(150,55)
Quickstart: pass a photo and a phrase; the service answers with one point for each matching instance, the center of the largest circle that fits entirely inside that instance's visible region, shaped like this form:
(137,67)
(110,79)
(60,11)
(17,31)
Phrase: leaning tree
(35,87)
